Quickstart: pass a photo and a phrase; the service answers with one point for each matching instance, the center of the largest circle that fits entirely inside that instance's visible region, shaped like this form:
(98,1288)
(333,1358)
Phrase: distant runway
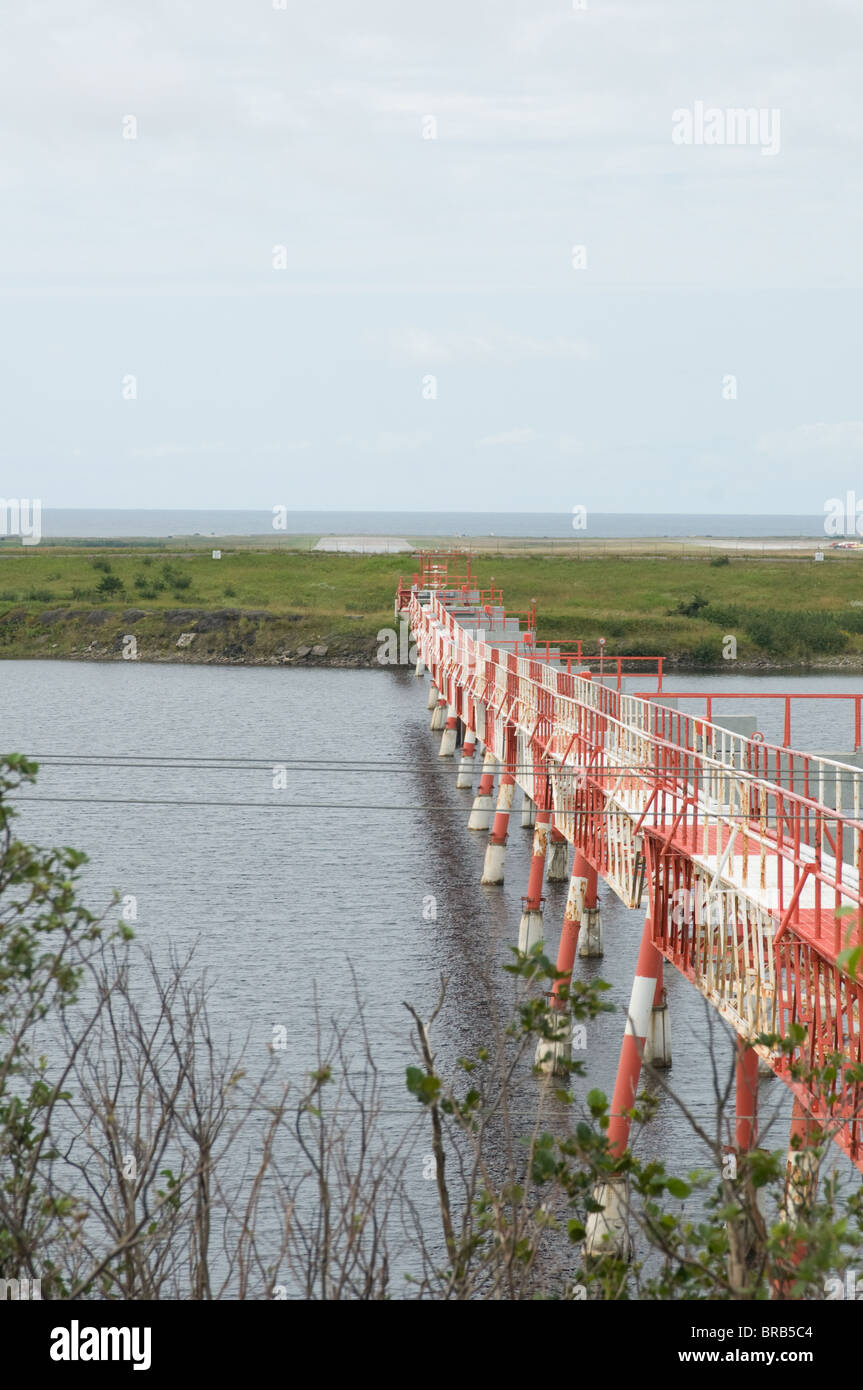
(365,545)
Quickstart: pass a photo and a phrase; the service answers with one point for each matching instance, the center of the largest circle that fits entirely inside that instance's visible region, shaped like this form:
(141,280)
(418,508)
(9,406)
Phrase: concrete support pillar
(557,860)
(495,854)
(801,1171)
(590,943)
(657,1047)
(464,779)
(483,803)
(553,1054)
(608,1224)
(420,668)
(450,734)
(607,1231)
(434,695)
(438,718)
(530,927)
(528,813)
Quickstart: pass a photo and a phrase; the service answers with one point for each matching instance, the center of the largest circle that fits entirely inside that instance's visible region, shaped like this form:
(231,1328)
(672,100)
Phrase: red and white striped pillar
(530,927)
(438,719)
(450,734)
(464,780)
(483,802)
(657,1048)
(608,1230)
(553,1054)
(495,853)
(801,1170)
(558,871)
(590,937)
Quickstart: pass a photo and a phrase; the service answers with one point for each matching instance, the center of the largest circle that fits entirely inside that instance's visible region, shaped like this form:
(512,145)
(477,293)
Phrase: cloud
(823,438)
(160,451)
(565,443)
(511,437)
(391,442)
(425,346)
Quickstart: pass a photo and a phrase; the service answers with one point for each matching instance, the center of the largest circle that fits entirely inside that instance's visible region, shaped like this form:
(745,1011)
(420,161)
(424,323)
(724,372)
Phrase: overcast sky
(408,258)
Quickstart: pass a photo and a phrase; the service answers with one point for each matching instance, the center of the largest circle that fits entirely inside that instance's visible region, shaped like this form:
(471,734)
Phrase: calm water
(325,881)
(81,522)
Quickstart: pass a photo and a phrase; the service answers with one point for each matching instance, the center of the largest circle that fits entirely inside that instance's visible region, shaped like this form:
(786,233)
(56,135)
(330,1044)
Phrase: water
(117,523)
(324,883)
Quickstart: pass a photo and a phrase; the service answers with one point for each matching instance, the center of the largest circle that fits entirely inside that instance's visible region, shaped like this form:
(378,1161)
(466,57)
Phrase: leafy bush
(109,584)
(851,620)
(100,563)
(39,596)
(707,652)
(689,607)
(148,585)
(719,561)
(8,596)
(795,632)
(175,579)
(723,615)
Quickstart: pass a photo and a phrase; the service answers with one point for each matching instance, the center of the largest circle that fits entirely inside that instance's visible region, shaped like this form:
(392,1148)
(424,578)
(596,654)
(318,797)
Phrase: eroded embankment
(257,637)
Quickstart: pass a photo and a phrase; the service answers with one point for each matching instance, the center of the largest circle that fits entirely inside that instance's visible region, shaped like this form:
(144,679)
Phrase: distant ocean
(106,524)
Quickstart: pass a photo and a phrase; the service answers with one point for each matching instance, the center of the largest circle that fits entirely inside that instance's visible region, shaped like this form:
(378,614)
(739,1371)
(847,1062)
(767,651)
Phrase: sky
(259,252)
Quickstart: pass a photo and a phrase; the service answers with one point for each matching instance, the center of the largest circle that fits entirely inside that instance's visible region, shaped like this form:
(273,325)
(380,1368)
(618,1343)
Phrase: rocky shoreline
(257,637)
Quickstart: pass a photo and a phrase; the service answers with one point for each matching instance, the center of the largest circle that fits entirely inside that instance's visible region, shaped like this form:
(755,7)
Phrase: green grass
(785,609)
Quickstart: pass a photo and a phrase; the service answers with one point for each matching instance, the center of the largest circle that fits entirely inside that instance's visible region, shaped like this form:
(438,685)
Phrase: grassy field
(260,605)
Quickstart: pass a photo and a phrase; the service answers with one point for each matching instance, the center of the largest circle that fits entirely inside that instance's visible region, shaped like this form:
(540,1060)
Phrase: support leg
(481,812)
(608,1229)
(464,780)
(495,854)
(553,1054)
(801,1172)
(590,940)
(438,718)
(557,865)
(657,1048)
(450,734)
(530,928)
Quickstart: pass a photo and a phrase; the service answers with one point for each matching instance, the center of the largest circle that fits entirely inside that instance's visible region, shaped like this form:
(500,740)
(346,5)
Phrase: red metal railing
(786,698)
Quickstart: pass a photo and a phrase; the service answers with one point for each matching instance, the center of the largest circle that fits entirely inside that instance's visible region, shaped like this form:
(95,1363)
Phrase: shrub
(707,652)
(145,583)
(689,607)
(796,632)
(723,615)
(718,561)
(39,596)
(109,584)
(100,563)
